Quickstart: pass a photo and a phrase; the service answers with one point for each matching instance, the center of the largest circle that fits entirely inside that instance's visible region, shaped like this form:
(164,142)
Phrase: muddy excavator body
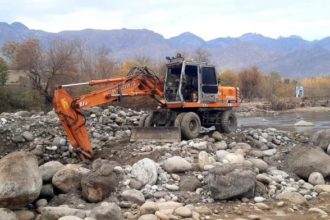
(190,97)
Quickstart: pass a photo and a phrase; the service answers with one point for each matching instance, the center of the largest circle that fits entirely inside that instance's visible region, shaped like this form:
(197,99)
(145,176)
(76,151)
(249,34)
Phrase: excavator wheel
(178,119)
(190,125)
(228,121)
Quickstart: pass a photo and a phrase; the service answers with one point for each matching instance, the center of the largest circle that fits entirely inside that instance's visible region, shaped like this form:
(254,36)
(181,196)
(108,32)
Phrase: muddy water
(286,121)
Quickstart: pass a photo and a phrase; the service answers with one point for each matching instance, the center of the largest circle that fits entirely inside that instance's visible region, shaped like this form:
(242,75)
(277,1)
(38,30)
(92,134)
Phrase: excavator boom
(139,82)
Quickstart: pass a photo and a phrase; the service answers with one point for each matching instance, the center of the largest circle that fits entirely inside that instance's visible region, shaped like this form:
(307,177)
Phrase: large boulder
(7,214)
(189,183)
(321,139)
(134,196)
(217,136)
(54,213)
(48,170)
(148,217)
(303,161)
(322,188)
(99,184)
(28,136)
(169,206)
(316,178)
(145,171)
(148,208)
(292,197)
(107,211)
(259,163)
(59,141)
(205,159)
(231,180)
(69,177)
(25,214)
(183,212)
(226,157)
(176,164)
(20,179)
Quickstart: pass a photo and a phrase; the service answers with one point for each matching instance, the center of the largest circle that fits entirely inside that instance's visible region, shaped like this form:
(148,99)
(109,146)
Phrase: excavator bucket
(158,134)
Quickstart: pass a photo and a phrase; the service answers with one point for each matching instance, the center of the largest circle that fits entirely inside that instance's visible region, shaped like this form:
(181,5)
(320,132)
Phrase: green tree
(3,72)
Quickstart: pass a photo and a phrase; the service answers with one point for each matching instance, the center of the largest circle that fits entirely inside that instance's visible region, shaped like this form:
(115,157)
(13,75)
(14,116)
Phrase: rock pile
(216,176)
(43,132)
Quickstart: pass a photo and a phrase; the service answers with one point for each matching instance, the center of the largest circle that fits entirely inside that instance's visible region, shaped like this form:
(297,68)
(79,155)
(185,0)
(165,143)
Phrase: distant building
(14,77)
(299,91)
(18,78)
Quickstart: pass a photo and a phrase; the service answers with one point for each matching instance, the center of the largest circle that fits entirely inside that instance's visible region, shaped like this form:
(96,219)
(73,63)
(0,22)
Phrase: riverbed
(286,120)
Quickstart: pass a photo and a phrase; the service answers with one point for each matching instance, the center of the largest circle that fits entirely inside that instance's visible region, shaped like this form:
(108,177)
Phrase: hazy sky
(206,18)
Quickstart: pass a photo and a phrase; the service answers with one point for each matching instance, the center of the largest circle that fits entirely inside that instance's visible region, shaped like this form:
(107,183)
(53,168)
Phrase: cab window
(209,80)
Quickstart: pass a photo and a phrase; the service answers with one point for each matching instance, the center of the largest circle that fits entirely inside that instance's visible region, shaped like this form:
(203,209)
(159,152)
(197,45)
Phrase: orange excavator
(189,97)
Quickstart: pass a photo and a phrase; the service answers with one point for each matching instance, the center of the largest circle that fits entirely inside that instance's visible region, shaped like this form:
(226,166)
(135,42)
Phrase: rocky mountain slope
(291,56)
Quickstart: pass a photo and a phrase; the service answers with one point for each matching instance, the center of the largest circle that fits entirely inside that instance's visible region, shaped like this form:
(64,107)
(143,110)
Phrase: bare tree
(104,66)
(95,63)
(45,67)
(229,78)
(202,55)
(143,60)
(250,81)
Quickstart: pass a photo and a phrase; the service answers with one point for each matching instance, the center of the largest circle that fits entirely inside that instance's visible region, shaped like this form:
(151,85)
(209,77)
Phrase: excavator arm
(138,82)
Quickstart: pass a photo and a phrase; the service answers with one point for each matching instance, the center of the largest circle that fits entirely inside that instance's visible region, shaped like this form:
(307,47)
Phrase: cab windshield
(172,83)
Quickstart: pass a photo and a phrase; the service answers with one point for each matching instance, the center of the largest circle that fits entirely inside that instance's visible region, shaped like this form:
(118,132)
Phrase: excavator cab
(189,81)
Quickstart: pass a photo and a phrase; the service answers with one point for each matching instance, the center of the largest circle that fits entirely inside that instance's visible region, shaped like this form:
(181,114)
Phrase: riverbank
(255,109)
(309,109)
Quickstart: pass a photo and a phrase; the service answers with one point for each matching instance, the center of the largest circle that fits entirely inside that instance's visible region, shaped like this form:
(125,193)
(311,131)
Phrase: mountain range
(292,56)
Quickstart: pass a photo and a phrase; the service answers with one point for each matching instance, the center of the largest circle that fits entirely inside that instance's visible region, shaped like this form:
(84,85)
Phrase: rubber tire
(187,131)
(147,121)
(228,121)
(142,120)
(218,126)
(178,120)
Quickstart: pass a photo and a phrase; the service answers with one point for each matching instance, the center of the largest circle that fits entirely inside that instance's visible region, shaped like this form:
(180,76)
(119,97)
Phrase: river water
(286,121)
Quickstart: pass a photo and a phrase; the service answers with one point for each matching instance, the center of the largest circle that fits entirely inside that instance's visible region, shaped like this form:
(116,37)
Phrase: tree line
(255,84)
(62,62)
